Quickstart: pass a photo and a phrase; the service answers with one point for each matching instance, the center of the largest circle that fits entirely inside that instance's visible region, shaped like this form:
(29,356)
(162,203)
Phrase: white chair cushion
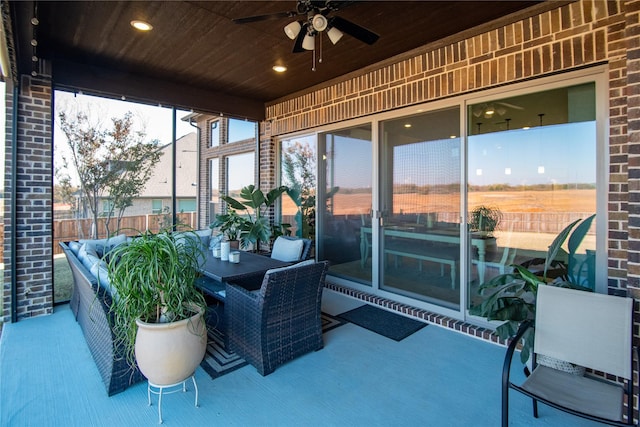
(287,250)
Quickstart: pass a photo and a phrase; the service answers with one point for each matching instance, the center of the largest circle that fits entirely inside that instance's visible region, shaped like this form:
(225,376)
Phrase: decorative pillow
(205,237)
(75,247)
(101,273)
(103,246)
(287,250)
(88,256)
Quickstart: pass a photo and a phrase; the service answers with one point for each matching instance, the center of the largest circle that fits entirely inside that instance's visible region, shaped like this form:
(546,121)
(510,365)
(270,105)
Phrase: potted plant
(485,220)
(512,297)
(255,204)
(158,313)
(230,225)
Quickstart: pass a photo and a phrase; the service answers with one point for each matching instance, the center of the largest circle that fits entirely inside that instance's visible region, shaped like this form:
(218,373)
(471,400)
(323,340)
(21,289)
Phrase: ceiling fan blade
(354,30)
(270,16)
(297,46)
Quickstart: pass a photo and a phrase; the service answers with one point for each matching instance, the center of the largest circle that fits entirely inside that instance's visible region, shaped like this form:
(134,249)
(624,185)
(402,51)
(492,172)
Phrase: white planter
(168,353)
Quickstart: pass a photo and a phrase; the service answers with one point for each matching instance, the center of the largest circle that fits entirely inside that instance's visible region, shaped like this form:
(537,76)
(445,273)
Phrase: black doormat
(218,360)
(383,322)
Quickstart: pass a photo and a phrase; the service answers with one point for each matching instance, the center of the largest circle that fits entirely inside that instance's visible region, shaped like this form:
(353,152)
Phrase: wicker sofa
(90,304)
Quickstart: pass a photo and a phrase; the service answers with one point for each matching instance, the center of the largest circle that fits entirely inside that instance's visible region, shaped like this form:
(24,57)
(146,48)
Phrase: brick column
(34,187)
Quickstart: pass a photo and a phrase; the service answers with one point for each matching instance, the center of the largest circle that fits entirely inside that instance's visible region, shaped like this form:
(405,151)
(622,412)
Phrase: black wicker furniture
(90,304)
(281,320)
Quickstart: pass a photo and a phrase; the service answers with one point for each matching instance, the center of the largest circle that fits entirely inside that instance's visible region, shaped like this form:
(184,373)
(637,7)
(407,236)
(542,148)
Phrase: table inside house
(451,236)
(215,272)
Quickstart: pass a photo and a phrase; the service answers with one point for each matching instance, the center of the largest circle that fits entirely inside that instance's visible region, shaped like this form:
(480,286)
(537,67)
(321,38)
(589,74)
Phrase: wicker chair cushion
(287,249)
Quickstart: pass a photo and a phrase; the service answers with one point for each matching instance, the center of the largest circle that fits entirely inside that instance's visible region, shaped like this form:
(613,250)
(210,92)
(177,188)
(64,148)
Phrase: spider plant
(153,277)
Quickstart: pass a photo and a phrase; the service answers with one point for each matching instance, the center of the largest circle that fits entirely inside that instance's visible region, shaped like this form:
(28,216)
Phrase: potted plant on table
(512,297)
(230,225)
(158,313)
(255,204)
(484,220)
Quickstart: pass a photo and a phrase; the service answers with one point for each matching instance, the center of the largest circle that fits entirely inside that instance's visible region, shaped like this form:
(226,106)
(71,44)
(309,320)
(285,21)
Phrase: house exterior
(586,53)
(155,198)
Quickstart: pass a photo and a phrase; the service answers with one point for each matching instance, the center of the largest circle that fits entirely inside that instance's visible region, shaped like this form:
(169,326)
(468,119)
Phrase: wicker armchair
(281,320)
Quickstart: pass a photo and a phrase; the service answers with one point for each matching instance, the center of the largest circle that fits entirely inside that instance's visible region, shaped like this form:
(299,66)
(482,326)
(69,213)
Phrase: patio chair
(587,329)
(281,320)
(286,248)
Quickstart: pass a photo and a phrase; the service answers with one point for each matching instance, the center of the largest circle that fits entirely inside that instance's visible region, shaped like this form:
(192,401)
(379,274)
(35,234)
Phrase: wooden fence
(74,229)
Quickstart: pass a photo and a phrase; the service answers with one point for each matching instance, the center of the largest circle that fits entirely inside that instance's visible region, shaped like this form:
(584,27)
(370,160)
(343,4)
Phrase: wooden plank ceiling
(197,57)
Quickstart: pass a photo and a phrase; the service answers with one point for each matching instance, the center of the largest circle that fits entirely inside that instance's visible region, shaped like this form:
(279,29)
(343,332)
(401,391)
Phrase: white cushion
(287,250)
(300,264)
(103,246)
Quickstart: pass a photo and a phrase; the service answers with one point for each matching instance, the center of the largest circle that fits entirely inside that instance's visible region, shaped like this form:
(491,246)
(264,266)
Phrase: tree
(298,166)
(112,164)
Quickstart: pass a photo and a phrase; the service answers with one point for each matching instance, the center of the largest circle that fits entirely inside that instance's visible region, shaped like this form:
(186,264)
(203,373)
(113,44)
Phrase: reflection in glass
(241,130)
(240,172)
(534,167)
(298,173)
(420,202)
(344,200)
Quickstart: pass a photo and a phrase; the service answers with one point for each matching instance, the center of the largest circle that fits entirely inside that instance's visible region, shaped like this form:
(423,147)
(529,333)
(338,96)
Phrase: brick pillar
(34,214)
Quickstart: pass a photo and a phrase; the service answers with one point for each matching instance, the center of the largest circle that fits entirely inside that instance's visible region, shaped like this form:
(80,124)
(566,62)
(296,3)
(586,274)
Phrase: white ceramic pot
(168,353)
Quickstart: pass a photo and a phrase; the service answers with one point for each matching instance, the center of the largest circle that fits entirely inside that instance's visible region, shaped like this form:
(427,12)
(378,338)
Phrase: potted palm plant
(157,312)
(255,204)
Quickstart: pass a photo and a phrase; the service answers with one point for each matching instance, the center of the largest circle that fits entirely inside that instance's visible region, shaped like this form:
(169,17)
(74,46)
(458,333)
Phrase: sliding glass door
(419,225)
(344,202)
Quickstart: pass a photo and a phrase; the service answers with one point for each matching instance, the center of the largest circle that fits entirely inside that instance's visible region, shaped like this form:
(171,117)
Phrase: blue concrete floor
(434,377)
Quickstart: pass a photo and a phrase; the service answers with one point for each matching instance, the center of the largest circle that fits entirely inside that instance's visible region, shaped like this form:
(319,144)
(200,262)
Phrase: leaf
(556,244)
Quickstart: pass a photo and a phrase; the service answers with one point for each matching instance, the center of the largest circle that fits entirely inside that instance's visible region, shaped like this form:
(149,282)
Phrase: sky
(155,121)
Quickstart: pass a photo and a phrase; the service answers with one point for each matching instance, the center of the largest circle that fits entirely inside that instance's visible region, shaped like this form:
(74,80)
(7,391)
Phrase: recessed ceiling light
(141,25)
(407,125)
(279,68)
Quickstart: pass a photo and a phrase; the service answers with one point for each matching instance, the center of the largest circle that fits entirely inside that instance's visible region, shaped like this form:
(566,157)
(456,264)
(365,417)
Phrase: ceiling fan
(314,20)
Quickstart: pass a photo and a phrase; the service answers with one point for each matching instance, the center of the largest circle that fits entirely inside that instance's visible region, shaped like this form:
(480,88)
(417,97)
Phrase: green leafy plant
(154,280)
(485,219)
(512,296)
(230,224)
(255,204)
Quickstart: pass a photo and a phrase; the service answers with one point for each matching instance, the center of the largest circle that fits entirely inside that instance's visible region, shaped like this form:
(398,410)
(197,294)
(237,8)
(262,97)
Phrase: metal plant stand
(158,389)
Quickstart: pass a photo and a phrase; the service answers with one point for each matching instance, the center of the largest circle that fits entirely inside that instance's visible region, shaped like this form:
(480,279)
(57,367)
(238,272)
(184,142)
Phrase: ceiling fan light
(319,22)
(334,35)
(292,30)
(309,42)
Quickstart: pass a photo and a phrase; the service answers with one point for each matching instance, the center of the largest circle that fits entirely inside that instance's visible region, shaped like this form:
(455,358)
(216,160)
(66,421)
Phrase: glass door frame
(596,74)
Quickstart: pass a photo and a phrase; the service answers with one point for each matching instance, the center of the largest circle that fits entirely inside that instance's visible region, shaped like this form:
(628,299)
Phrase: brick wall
(34,226)
(580,34)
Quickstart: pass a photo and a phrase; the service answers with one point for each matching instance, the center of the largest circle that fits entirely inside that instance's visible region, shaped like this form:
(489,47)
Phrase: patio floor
(435,377)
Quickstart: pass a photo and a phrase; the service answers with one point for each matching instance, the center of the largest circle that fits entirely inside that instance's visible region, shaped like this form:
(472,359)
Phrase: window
(214,135)
(107,206)
(241,130)
(298,172)
(156,206)
(531,172)
(187,205)
(214,188)
(240,172)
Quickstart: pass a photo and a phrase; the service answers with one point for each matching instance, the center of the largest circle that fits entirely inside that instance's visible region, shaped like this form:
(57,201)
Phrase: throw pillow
(287,250)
